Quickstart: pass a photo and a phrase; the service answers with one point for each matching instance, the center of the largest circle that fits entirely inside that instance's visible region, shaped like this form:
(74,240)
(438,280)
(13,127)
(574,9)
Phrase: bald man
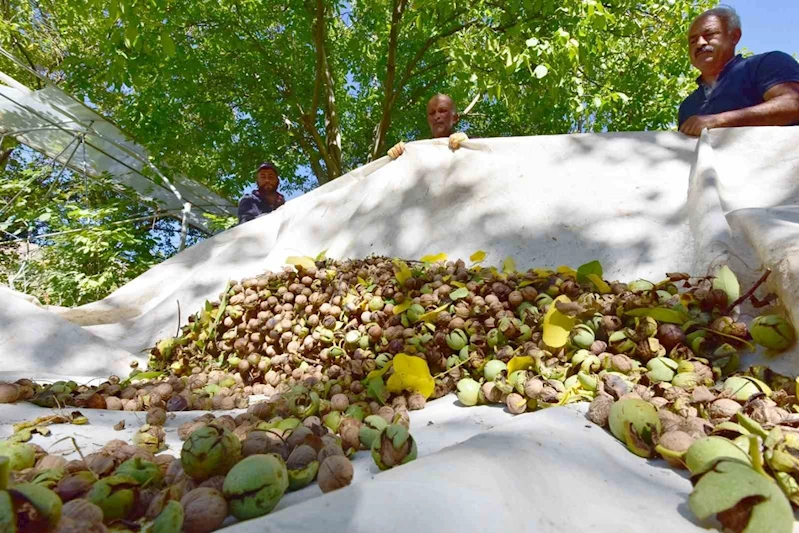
(442,115)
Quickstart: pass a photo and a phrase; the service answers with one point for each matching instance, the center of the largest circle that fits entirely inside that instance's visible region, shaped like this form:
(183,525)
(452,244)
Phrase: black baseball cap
(267,165)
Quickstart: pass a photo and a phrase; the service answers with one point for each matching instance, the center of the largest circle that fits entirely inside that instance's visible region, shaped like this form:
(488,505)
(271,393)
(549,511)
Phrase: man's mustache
(705,48)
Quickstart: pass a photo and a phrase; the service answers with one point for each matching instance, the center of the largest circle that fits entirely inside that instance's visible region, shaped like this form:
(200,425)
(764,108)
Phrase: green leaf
(726,281)
(594,267)
(131,34)
(509,265)
(377,390)
(44,217)
(457,294)
(167,44)
(322,255)
(661,314)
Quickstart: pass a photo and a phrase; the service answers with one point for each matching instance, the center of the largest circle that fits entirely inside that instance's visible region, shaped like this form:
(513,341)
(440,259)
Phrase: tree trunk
(378,147)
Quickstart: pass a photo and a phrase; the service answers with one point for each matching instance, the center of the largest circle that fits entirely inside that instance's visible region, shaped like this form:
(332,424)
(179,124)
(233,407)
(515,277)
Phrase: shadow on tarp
(546,201)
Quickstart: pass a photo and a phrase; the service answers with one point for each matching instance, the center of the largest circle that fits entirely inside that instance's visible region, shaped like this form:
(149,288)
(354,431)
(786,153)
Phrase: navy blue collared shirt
(742,83)
(252,205)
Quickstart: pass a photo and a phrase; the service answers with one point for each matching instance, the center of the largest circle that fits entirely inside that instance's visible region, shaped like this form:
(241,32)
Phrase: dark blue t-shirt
(741,84)
(252,205)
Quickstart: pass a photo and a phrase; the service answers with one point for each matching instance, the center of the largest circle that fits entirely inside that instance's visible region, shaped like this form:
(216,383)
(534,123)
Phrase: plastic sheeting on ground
(641,203)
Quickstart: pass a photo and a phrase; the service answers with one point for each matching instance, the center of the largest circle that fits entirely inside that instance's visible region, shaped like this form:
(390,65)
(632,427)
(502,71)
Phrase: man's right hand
(397,150)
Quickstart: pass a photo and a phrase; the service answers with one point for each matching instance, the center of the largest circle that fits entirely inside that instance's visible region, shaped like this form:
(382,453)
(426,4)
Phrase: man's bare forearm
(782,110)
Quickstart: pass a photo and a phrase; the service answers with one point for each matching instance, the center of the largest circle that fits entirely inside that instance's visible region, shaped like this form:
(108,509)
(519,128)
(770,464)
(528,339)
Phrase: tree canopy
(214,87)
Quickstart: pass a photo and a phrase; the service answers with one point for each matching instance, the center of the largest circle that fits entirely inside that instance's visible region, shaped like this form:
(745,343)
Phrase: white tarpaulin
(52,122)
(643,204)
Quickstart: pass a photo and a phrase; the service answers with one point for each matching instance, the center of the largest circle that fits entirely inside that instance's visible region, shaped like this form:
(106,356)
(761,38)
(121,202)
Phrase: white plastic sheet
(642,203)
(52,122)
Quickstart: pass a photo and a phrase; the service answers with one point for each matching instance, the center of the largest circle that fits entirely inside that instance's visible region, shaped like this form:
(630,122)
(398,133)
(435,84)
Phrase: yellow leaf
(305,262)
(543,272)
(521,363)
(432,316)
(457,284)
(557,326)
(525,283)
(411,374)
(322,255)
(434,258)
(404,306)
(509,265)
(599,283)
(565,269)
(478,257)
(402,272)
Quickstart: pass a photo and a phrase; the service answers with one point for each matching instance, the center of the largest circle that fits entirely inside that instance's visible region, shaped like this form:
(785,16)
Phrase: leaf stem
(748,294)
(444,373)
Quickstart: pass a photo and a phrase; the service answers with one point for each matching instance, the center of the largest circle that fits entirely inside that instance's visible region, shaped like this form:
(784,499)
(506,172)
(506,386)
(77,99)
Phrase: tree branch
(397,9)
(307,121)
(319,41)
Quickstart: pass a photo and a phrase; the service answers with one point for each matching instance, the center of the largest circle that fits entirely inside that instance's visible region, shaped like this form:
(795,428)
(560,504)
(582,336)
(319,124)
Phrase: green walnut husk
(457,339)
(170,520)
(773,332)
(370,429)
(743,387)
(20,455)
(45,501)
(144,472)
(393,447)
(288,423)
(741,499)
(115,495)
(48,478)
(8,518)
(661,369)
(304,403)
(210,451)
(333,420)
(705,451)
(583,336)
(355,411)
(468,391)
(301,478)
(493,369)
(255,485)
(636,423)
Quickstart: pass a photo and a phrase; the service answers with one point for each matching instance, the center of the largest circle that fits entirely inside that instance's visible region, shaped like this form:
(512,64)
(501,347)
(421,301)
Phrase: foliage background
(213,87)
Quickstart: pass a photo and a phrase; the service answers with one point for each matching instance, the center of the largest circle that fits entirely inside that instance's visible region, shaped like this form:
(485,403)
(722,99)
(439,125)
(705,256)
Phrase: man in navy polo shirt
(265,198)
(761,90)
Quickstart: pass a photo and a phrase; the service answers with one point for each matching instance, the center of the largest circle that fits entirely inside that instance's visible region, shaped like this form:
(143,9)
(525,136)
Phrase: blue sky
(768,24)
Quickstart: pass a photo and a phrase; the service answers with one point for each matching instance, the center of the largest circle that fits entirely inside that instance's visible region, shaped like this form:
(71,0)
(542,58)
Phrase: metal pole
(184,226)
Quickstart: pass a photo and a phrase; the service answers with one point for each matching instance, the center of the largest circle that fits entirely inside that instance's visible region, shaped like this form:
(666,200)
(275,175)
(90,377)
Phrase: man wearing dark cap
(442,115)
(265,198)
